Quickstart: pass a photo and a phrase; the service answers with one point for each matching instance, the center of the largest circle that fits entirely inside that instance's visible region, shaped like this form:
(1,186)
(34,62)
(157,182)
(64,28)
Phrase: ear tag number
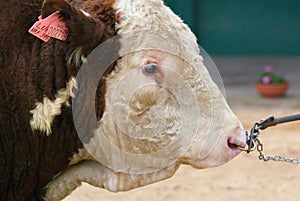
(58,30)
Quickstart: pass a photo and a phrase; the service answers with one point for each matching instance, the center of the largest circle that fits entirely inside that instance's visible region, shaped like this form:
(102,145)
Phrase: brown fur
(31,69)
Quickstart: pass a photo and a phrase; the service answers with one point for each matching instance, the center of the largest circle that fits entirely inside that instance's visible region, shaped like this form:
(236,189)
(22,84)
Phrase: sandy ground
(244,178)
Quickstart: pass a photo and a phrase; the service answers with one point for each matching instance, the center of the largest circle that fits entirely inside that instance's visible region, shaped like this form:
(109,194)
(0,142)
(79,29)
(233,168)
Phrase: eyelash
(150,68)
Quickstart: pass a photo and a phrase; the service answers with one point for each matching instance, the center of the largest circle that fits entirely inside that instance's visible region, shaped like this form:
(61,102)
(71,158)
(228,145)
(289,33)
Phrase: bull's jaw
(96,174)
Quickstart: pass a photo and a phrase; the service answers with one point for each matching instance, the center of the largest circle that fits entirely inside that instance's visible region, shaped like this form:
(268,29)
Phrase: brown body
(31,69)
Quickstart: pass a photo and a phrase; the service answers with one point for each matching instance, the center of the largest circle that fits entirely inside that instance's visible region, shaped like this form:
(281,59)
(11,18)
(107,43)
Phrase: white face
(160,106)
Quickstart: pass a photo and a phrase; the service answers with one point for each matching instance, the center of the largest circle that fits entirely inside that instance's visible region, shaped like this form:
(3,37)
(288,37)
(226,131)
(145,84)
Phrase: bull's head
(162,108)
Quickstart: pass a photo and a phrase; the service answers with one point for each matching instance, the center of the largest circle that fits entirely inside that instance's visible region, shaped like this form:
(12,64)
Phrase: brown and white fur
(218,127)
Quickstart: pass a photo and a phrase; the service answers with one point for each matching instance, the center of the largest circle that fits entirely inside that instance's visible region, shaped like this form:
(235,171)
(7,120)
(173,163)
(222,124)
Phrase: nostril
(235,142)
(231,145)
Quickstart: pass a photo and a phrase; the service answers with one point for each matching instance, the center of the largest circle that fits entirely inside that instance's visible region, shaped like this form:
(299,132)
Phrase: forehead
(150,25)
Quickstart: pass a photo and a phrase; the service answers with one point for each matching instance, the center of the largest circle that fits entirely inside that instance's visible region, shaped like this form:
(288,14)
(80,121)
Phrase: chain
(253,141)
(274,158)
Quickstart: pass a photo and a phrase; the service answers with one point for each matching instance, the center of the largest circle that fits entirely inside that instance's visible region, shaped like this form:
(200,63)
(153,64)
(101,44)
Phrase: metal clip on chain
(253,142)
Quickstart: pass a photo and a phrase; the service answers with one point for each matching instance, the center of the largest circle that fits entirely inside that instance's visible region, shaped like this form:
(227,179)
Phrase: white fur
(77,57)
(45,112)
(85,13)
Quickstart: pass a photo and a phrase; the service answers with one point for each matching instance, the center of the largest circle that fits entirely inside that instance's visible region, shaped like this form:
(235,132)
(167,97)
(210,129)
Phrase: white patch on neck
(85,13)
(45,112)
(77,57)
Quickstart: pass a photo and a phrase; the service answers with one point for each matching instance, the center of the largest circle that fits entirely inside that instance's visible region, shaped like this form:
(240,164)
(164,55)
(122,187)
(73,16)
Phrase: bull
(157,106)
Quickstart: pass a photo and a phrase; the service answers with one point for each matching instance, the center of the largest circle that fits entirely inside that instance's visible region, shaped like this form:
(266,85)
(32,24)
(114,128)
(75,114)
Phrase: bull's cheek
(145,127)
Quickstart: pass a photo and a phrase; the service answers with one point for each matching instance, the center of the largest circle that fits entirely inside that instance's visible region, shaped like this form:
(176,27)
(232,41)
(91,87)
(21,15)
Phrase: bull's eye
(150,68)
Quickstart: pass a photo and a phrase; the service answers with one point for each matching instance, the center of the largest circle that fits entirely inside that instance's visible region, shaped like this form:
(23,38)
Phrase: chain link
(253,141)
(274,158)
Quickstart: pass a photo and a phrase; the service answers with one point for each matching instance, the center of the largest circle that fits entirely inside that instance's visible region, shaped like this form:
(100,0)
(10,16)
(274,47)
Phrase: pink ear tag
(40,28)
(58,30)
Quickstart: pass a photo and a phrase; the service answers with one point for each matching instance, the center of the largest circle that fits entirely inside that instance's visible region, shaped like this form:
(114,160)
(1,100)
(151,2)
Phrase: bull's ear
(85,32)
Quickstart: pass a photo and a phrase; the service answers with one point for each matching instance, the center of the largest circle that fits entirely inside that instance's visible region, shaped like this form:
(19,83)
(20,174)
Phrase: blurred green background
(243,27)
